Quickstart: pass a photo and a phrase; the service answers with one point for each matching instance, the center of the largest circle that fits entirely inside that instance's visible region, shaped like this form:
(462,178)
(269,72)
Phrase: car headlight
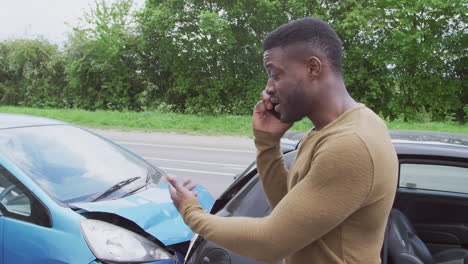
(112,243)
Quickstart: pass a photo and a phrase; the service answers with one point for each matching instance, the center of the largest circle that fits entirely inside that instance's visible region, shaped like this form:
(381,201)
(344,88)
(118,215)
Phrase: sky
(41,18)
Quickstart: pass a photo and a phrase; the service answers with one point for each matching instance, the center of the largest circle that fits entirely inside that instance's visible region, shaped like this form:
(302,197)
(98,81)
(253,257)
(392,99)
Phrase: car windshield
(72,164)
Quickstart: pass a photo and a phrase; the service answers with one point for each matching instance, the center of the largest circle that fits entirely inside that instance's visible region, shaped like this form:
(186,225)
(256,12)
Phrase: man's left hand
(179,191)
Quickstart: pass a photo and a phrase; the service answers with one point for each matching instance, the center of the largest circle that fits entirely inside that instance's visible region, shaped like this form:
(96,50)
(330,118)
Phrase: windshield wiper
(147,182)
(114,188)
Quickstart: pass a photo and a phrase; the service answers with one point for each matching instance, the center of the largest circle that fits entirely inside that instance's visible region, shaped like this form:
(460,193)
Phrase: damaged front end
(141,228)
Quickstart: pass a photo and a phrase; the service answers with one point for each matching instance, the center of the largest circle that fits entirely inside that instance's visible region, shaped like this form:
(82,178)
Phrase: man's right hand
(266,121)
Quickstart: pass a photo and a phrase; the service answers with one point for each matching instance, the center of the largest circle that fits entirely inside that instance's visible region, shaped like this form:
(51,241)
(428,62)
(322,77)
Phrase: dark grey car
(429,223)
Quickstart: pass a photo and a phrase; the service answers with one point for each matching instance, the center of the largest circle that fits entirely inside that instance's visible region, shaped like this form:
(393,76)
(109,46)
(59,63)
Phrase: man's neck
(332,104)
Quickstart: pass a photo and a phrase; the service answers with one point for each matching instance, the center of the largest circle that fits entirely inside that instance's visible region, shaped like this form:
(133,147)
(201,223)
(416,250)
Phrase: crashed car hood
(153,211)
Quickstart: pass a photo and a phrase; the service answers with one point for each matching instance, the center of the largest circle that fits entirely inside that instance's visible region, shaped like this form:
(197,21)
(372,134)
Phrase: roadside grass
(190,124)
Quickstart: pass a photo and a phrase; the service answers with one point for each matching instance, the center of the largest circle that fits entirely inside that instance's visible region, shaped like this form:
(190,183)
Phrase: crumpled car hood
(153,211)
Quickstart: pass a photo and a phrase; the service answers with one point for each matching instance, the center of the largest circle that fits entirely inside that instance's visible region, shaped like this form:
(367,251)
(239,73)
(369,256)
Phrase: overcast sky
(46,18)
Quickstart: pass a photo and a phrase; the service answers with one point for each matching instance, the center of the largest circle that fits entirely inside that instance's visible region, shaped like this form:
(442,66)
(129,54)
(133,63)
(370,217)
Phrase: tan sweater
(331,207)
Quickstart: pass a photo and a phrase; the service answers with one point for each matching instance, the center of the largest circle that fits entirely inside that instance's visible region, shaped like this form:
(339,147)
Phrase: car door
(245,197)
(433,194)
(24,222)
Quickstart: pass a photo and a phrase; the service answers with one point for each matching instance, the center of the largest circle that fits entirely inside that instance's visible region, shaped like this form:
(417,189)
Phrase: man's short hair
(315,33)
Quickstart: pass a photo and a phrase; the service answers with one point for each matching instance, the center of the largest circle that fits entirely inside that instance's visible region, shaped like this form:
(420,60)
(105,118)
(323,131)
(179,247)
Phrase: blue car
(68,195)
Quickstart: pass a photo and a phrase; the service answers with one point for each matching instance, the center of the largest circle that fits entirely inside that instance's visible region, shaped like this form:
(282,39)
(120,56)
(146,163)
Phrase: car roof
(428,137)
(447,152)
(18,120)
(430,144)
(412,143)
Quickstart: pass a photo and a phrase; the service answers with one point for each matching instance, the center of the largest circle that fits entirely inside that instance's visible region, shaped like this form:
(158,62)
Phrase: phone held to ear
(273,112)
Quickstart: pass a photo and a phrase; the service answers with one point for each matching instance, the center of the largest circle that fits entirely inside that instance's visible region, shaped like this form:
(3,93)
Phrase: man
(332,206)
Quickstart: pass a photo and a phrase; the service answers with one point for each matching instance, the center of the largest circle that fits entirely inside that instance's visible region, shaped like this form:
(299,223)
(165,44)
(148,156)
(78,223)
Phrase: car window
(434,177)
(71,164)
(250,201)
(13,199)
(16,201)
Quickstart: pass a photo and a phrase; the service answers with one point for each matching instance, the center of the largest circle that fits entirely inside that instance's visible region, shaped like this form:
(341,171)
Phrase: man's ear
(314,67)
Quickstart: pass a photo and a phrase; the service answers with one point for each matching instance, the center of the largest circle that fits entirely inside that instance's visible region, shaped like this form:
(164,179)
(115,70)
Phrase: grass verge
(190,124)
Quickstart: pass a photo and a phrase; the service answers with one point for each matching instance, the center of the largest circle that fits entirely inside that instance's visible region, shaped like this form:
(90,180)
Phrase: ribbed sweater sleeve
(335,185)
(270,165)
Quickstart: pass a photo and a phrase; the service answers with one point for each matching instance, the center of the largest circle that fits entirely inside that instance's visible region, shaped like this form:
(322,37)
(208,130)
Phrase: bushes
(404,59)
(31,73)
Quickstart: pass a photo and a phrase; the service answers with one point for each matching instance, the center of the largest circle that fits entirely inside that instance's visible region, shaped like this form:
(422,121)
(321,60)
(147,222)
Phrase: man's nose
(270,88)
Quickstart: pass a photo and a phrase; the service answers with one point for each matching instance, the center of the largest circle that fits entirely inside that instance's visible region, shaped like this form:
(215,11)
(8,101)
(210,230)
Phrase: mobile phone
(273,112)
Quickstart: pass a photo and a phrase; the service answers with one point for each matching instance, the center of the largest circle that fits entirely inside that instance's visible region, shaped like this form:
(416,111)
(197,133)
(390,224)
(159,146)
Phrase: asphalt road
(211,161)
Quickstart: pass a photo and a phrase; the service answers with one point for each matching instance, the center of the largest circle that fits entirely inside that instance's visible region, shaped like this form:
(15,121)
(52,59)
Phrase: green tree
(31,73)
(101,59)
(423,43)
(402,58)
(208,53)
